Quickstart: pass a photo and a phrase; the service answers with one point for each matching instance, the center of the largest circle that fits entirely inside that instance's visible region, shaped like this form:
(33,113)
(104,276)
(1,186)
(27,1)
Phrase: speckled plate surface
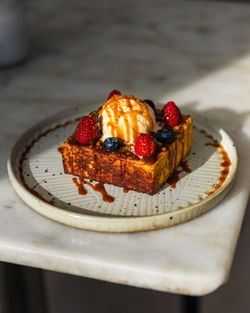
(36,172)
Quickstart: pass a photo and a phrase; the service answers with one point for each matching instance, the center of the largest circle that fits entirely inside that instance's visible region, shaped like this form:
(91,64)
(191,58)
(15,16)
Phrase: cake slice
(125,119)
(125,169)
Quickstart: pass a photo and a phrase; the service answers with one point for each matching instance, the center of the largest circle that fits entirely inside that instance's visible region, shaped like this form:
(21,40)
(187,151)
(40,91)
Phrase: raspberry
(145,145)
(171,114)
(113,92)
(86,131)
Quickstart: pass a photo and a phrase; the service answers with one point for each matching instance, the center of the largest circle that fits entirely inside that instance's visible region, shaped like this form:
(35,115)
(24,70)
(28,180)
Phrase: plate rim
(143,223)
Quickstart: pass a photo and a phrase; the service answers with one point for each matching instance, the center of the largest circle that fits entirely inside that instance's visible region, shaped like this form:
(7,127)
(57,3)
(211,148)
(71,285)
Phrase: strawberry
(145,145)
(112,93)
(87,130)
(171,114)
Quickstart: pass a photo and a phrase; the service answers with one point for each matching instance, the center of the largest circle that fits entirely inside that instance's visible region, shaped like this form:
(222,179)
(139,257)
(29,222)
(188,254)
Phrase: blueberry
(112,143)
(97,117)
(165,135)
(151,103)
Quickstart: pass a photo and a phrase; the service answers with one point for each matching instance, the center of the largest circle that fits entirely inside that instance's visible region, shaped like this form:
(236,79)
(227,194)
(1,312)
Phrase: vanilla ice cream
(126,117)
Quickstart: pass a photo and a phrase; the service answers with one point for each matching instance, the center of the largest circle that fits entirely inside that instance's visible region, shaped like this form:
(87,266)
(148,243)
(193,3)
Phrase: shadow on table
(231,121)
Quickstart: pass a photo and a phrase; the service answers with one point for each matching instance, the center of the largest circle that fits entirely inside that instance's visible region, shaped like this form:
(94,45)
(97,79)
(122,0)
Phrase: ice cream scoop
(126,117)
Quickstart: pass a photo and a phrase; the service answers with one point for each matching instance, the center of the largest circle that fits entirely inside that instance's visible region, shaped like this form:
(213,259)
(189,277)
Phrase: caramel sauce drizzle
(79,185)
(114,108)
(226,162)
(37,184)
(185,167)
(174,178)
(99,187)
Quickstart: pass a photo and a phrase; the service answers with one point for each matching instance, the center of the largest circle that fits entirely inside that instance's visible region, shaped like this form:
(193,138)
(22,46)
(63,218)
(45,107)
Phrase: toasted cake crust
(123,168)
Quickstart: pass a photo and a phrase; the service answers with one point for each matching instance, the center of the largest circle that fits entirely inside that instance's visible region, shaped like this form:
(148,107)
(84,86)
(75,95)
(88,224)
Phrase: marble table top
(195,53)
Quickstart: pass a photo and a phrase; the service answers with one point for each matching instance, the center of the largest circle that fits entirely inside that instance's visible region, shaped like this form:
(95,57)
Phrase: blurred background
(58,54)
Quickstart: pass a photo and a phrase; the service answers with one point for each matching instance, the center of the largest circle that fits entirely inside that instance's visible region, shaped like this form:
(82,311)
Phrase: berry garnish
(165,135)
(171,114)
(112,143)
(113,92)
(150,103)
(87,131)
(145,145)
(96,116)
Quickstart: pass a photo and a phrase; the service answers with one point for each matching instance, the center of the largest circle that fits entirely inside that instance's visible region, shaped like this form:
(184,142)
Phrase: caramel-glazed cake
(128,143)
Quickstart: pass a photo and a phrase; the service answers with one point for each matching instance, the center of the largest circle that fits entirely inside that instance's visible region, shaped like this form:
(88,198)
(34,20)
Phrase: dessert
(129,143)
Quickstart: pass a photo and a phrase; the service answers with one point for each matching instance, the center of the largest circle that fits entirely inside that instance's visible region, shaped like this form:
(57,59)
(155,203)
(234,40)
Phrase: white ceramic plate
(55,195)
